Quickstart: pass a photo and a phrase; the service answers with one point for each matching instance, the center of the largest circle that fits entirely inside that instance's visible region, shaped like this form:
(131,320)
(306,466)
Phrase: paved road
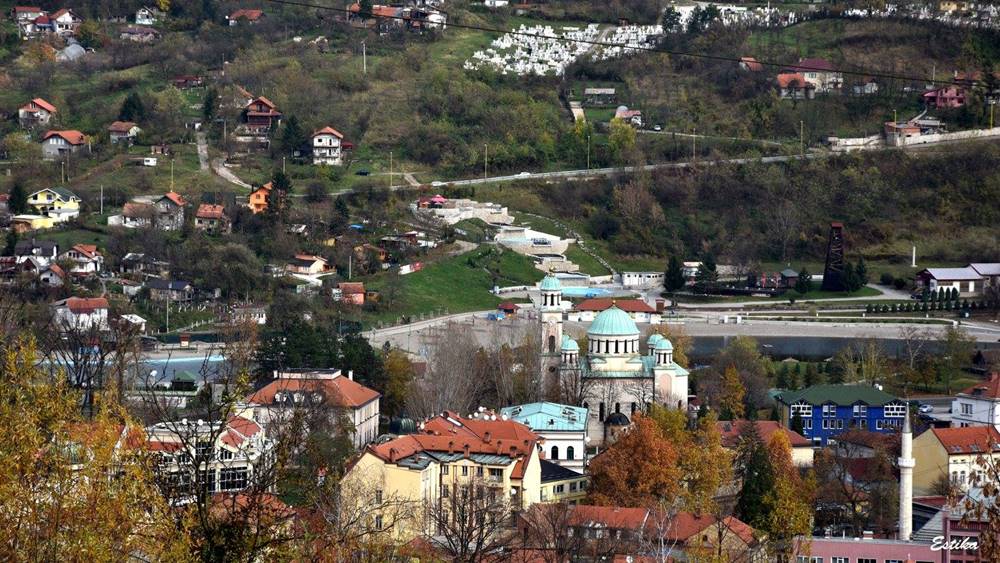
(887,293)
(202,151)
(220,169)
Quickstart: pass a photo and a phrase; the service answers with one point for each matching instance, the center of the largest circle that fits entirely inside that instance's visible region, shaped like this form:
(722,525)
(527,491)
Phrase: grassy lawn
(599,115)
(517,268)
(820,294)
(588,264)
(67,238)
(475,230)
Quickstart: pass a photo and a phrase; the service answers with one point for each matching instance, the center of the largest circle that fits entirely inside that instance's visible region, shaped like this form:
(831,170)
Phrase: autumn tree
(678,337)
(399,371)
(788,505)
(754,369)
(705,465)
(621,139)
(621,478)
(731,402)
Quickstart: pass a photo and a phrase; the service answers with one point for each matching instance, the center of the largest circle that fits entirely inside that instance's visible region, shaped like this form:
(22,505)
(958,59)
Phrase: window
(618,408)
(966,409)
(572,486)
(378,496)
(826,424)
(801,559)
(894,410)
(465,471)
(840,560)
(601,413)
(207,479)
(807,423)
(378,522)
(840,424)
(830,410)
(860,410)
(635,407)
(816,560)
(445,491)
(479,471)
(233,479)
(867,560)
(864,423)
(555,453)
(802,409)
(583,485)
(878,425)
(225,455)
(570,453)
(444,470)
(203,450)
(496,474)
(560,489)
(893,561)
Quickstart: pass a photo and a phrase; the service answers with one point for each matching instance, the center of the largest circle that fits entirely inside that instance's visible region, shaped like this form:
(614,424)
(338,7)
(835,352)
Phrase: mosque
(618,375)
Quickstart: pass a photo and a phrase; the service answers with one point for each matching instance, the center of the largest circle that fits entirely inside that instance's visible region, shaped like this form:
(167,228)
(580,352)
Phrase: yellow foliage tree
(619,477)
(733,393)
(705,465)
(72,489)
(678,337)
(789,503)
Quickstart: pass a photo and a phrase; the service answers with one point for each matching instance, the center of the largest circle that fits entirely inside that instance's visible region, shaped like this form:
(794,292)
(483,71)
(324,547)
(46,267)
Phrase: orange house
(258,198)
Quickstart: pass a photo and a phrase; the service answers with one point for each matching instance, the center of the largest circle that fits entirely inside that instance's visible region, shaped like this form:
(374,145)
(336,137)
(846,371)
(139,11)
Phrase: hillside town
(488,281)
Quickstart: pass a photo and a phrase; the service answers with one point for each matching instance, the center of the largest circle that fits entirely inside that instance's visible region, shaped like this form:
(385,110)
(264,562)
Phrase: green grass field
(588,264)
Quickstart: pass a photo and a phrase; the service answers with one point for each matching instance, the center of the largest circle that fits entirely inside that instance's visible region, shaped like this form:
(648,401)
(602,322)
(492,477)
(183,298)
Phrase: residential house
(228,454)
(307,264)
(261,115)
(123,131)
(966,280)
(324,389)
(26,14)
(65,22)
(821,73)
(802,447)
(793,86)
(138,34)
(631,116)
(867,87)
(865,549)
(588,309)
(829,410)
(788,278)
(148,15)
(562,427)
(56,144)
(168,290)
(598,96)
(25,223)
(245,16)
(750,64)
(169,212)
(257,202)
(187,81)
(32,21)
(562,484)
(990,273)
(956,522)
(448,457)
(57,203)
(953,453)
(36,112)
(144,265)
(86,259)
(211,218)
(134,215)
(326,147)
(945,97)
(79,313)
(351,292)
(44,250)
(253,314)
(52,276)
(864,444)
(978,405)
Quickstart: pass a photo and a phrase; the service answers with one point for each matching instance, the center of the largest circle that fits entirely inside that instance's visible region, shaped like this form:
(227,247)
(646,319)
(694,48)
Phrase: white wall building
(78,313)
(327,145)
(978,405)
(563,427)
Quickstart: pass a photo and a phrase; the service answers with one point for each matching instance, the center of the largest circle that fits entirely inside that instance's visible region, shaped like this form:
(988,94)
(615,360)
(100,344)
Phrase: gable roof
(730,432)
(842,395)
(329,131)
(968,440)
(71,136)
(961,274)
(614,517)
(168,284)
(815,65)
(121,126)
(986,268)
(555,472)
(63,193)
(351,288)
(989,389)
(88,250)
(82,305)
(249,14)
(752,64)
(209,211)
(793,80)
(627,305)
(137,209)
(263,100)
(42,104)
(338,391)
(175,198)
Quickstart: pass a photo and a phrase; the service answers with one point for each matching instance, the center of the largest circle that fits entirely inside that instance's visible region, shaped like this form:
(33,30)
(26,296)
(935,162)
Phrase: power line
(705,56)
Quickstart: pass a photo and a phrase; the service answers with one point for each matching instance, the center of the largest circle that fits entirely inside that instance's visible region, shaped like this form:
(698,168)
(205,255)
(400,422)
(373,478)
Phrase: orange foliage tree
(640,469)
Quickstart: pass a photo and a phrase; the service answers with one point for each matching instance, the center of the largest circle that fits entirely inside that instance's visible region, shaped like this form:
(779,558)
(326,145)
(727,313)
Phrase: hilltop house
(56,144)
(351,292)
(448,458)
(326,147)
(257,202)
(821,74)
(138,34)
(307,264)
(126,131)
(44,250)
(260,115)
(978,405)
(953,453)
(148,15)
(328,389)
(145,265)
(244,16)
(562,427)
(34,113)
(828,410)
(65,22)
(186,81)
(793,86)
(78,313)
(802,447)
(134,215)
(167,290)
(211,218)
(86,259)
(58,204)
(169,212)
(25,14)
(945,97)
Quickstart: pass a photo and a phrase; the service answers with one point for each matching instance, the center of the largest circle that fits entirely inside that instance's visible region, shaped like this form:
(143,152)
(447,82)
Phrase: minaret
(906,463)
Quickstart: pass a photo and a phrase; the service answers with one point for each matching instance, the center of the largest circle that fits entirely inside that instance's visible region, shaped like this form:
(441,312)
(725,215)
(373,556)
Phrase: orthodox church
(617,375)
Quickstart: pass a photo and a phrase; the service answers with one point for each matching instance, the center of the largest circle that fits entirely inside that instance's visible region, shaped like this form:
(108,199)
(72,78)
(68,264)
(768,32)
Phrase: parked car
(925,408)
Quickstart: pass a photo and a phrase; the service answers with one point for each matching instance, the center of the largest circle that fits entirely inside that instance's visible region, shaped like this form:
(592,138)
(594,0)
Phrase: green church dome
(551,283)
(613,322)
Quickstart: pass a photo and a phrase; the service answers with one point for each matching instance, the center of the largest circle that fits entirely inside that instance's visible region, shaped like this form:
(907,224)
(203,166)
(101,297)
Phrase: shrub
(899,283)
(886,278)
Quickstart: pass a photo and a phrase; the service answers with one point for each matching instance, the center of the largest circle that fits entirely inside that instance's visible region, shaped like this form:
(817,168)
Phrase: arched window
(601,412)
(552,344)
(555,453)
(570,453)
(618,408)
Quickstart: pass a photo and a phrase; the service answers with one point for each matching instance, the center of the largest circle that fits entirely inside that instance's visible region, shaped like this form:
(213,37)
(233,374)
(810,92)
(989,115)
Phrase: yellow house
(561,484)
(451,465)
(952,452)
(57,203)
(25,223)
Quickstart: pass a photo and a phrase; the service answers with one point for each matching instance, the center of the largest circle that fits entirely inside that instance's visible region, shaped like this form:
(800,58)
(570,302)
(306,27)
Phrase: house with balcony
(257,201)
(211,218)
(86,259)
(978,405)
(957,454)
(57,144)
(829,410)
(65,22)
(821,74)
(307,264)
(945,97)
(330,390)
(170,290)
(562,427)
(79,313)
(327,144)
(260,115)
(35,113)
(57,203)
(123,132)
(148,15)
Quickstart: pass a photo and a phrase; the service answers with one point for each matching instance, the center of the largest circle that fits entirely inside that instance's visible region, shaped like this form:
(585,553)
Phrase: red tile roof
(238,429)
(250,15)
(815,65)
(175,197)
(752,64)
(71,136)
(88,250)
(989,389)
(121,126)
(27,9)
(83,305)
(209,211)
(40,103)
(614,517)
(264,101)
(329,131)
(968,440)
(793,80)
(339,391)
(730,431)
(627,305)
(135,209)
(351,288)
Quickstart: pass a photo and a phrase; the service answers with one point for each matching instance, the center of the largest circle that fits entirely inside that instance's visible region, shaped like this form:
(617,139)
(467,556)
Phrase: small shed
(789,278)
(508,308)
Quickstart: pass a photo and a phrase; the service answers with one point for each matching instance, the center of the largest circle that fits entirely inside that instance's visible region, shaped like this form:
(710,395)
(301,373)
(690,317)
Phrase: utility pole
(364,58)
(694,143)
(802,137)
(102,199)
(588,152)
(992,103)
(282,165)
(486,160)
(390,169)
(350,264)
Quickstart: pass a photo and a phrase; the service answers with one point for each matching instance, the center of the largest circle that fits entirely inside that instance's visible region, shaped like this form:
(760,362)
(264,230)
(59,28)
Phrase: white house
(966,280)
(85,257)
(563,427)
(148,16)
(329,389)
(65,22)
(588,309)
(81,313)
(35,112)
(978,405)
(642,280)
(56,144)
(326,146)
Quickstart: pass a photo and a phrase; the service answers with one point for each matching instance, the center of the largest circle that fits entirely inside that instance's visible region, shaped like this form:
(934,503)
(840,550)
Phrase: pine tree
(208,105)
(673,277)
(862,271)
(804,284)
(707,271)
(292,136)
(11,243)
(17,204)
(796,423)
(782,379)
(132,109)
(753,469)
(812,375)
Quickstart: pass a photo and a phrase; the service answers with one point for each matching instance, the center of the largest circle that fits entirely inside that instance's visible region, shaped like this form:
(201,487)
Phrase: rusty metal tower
(833,273)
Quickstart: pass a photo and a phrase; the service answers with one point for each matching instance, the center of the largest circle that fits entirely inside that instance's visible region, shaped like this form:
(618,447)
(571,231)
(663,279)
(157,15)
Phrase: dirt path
(202,151)
(220,169)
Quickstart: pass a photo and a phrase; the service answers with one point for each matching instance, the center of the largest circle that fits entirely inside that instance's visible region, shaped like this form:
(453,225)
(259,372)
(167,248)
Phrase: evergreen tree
(208,105)
(796,424)
(753,469)
(707,271)
(365,8)
(132,109)
(782,379)
(17,204)
(673,277)
(862,271)
(954,294)
(804,284)
(11,243)
(292,136)
(812,376)
(851,281)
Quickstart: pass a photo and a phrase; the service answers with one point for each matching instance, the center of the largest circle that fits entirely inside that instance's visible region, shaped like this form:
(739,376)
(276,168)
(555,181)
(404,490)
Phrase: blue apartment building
(828,410)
